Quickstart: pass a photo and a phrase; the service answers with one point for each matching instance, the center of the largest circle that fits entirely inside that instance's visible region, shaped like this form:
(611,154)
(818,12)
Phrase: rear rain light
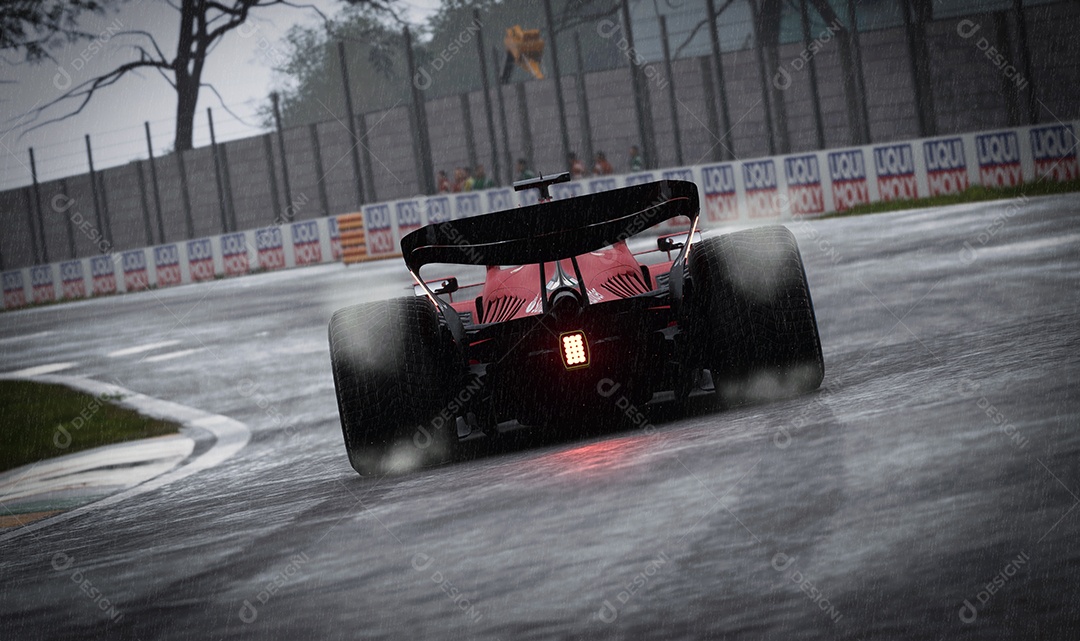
(575,349)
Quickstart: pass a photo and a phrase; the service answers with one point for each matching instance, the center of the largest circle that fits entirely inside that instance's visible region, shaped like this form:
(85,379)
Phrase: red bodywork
(514,292)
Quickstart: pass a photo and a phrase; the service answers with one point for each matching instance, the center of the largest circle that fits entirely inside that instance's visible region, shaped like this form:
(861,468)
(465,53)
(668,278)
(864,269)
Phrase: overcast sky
(240,68)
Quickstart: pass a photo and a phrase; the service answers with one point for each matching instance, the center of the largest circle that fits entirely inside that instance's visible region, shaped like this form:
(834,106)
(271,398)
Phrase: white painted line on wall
(168,356)
(138,349)
(39,370)
(230,436)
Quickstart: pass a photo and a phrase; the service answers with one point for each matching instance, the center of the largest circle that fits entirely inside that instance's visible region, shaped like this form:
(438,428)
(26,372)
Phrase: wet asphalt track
(886,500)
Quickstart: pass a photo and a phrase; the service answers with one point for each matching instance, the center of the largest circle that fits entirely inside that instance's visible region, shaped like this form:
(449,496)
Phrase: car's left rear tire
(395,373)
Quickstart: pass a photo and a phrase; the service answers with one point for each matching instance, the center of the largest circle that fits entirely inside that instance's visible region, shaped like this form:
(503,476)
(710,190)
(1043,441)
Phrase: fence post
(815,94)
(564,135)
(426,179)
(526,127)
(672,101)
(226,176)
(723,152)
(275,199)
(101,214)
(70,224)
(583,103)
(486,85)
(1025,60)
(507,156)
(222,209)
(350,124)
(1009,90)
(369,167)
(470,138)
(30,226)
(284,158)
(642,106)
(860,76)
(154,180)
(316,152)
(37,209)
(105,209)
(185,196)
(144,201)
(924,99)
(766,103)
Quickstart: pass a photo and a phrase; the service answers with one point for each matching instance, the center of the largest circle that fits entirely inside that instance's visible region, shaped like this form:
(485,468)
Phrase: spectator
(523,171)
(637,163)
(480,180)
(443,182)
(602,166)
(460,176)
(577,168)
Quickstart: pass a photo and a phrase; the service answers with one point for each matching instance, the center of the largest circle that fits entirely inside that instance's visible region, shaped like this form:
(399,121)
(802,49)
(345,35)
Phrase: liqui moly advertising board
(410,215)
(500,199)
(438,209)
(607,183)
(14,294)
(467,205)
(335,238)
(72,279)
(200,256)
(847,172)
(167,263)
(1054,150)
(305,239)
(721,201)
(234,254)
(563,191)
(805,193)
(759,181)
(379,229)
(682,173)
(41,283)
(270,248)
(640,179)
(895,169)
(103,275)
(946,167)
(136,276)
(999,159)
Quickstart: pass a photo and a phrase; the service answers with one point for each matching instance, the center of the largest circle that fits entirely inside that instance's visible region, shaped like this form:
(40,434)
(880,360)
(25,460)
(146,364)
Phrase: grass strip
(42,420)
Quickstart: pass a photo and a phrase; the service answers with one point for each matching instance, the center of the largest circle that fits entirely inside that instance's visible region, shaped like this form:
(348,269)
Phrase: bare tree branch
(221,101)
(86,90)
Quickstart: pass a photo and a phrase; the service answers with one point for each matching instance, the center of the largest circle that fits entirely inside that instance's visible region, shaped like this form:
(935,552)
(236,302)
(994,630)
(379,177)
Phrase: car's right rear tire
(395,372)
(751,320)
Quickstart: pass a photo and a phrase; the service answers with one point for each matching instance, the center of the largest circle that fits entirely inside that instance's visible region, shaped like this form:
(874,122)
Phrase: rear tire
(395,371)
(751,316)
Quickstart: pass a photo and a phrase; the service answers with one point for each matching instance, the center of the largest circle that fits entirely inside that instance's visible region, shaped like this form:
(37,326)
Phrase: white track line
(39,370)
(24,337)
(138,349)
(230,437)
(168,356)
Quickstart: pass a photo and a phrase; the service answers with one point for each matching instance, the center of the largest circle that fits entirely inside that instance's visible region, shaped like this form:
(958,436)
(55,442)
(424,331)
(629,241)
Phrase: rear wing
(551,231)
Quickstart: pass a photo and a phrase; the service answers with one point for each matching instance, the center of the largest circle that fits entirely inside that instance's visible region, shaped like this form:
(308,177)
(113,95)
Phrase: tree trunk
(187,83)
(187,98)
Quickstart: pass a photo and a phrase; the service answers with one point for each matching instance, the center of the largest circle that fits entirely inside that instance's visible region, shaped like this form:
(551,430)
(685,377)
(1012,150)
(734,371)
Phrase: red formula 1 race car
(565,313)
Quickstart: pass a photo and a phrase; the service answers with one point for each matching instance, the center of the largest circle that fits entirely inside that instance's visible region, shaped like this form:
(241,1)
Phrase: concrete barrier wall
(762,190)
(970,93)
